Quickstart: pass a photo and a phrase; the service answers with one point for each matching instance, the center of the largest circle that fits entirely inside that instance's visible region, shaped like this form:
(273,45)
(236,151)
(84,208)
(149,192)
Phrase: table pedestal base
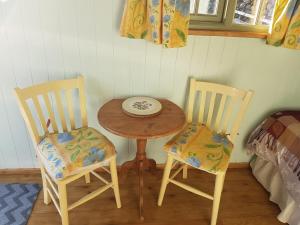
(148,164)
(140,163)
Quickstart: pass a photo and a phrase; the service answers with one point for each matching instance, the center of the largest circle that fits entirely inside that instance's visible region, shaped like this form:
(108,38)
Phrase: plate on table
(141,106)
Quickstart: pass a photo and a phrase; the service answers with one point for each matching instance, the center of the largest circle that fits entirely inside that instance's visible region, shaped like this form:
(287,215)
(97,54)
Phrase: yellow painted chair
(214,115)
(66,152)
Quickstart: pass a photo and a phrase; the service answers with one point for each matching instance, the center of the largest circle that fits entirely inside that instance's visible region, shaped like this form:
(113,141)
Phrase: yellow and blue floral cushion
(65,154)
(201,147)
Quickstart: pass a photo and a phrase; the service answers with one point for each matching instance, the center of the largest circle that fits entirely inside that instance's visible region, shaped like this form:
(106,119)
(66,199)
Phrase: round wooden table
(169,121)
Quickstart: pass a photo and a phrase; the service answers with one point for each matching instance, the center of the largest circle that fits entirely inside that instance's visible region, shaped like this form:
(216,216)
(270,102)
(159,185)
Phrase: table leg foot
(150,165)
(141,186)
(127,166)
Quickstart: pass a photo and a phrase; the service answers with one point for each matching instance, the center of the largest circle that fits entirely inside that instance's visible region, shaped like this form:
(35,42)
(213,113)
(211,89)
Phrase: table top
(169,121)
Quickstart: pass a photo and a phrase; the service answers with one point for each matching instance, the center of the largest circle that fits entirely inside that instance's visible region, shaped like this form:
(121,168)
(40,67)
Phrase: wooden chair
(66,153)
(220,110)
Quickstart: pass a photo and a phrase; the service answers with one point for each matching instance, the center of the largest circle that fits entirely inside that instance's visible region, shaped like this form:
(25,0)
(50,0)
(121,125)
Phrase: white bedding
(269,176)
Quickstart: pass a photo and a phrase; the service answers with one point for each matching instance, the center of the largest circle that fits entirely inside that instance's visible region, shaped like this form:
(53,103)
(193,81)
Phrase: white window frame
(224,20)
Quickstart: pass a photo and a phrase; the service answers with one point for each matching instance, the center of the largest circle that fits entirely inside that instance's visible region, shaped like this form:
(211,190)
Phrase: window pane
(246,11)
(192,6)
(205,7)
(266,12)
(208,7)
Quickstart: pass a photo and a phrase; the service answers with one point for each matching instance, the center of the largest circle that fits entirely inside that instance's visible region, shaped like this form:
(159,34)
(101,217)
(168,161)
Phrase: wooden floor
(244,202)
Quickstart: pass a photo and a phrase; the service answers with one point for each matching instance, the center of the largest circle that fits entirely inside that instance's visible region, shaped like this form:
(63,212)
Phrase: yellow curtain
(163,22)
(285,29)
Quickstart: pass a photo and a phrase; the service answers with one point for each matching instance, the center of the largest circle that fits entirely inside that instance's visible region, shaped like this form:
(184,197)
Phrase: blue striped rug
(16,202)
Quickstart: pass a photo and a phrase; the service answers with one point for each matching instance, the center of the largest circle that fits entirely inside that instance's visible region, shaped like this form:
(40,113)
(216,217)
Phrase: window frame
(210,18)
(227,20)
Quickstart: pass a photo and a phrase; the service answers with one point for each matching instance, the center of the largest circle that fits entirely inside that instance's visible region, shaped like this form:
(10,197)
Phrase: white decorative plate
(141,106)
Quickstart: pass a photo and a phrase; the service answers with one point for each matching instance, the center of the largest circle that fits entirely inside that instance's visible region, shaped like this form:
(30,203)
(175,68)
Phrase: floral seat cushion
(65,154)
(202,148)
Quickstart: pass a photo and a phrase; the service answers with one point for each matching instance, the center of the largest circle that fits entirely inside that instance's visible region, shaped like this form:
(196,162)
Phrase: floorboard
(244,202)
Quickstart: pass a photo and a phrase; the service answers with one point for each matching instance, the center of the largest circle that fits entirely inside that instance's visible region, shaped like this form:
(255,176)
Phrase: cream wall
(43,40)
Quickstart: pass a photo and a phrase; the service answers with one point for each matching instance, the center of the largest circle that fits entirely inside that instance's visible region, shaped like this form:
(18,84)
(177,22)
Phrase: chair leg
(217,197)
(63,202)
(165,179)
(114,178)
(47,198)
(185,172)
(87,178)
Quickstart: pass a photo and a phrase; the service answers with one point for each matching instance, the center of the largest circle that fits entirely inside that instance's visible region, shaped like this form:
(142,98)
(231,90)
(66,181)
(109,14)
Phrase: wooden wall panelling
(52,39)
(18,73)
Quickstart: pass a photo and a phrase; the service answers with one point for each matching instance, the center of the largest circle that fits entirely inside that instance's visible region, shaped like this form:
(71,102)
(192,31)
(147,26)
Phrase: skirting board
(24,171)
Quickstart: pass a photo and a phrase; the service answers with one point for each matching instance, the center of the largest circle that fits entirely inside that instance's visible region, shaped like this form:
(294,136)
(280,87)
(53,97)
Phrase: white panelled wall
(43,40)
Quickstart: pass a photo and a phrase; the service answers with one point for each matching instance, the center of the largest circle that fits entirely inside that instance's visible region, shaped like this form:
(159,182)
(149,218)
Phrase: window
(232,15)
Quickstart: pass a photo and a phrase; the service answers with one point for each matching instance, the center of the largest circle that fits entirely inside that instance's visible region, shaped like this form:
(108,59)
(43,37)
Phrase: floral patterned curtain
(285,29)
(163,22)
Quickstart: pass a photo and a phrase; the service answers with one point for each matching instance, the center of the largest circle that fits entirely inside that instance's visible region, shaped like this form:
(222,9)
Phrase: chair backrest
(52,103)
(219,107)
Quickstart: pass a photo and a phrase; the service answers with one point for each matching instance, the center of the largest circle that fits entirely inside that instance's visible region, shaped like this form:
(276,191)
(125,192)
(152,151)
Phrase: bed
(275,144)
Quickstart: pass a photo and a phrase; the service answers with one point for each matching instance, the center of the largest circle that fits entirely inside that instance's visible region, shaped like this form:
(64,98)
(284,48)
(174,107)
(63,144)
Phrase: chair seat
(201,148)
(68,153)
